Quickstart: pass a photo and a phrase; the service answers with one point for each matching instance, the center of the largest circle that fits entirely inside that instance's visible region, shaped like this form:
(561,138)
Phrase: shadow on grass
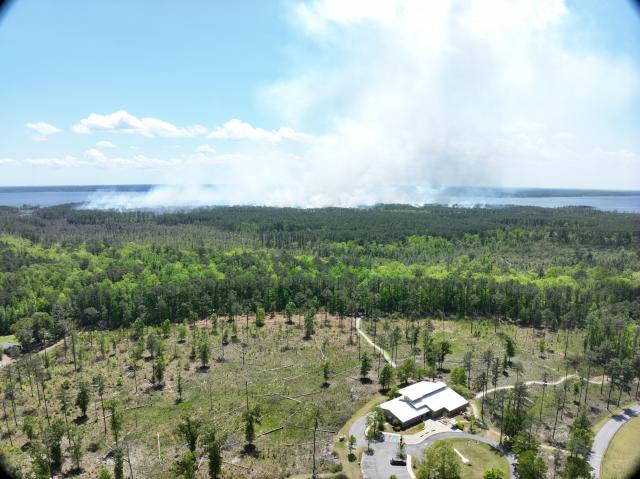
(250,450)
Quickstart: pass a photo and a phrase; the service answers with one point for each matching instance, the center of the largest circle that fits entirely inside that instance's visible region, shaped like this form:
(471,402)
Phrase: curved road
(378,465)
(605,435)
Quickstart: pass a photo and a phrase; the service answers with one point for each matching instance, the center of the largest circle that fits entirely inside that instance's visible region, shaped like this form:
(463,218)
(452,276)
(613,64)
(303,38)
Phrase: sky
(320,102)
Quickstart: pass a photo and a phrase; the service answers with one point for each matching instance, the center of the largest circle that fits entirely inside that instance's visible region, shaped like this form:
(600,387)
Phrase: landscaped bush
(464,391)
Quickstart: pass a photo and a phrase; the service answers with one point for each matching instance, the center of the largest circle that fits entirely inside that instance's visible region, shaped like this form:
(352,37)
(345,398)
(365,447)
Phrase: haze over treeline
(329,103)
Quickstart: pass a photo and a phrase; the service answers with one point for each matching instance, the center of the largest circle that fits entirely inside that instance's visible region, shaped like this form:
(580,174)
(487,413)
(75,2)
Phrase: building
(422,400)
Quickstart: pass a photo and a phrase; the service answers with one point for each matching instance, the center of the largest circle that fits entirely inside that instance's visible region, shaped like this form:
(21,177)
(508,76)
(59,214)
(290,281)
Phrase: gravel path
(366,337)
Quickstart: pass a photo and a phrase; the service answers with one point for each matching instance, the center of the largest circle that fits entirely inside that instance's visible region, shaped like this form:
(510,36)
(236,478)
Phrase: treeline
(286,227)
(102,269)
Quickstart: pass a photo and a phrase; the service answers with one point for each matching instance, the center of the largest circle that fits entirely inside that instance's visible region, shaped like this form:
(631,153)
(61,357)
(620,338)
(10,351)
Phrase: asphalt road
(605,435)
(378,465)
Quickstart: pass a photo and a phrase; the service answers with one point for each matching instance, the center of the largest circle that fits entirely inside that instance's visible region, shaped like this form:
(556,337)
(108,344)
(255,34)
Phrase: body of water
(622,201)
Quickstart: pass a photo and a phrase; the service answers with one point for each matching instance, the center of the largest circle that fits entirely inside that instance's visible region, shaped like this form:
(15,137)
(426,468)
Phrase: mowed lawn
(622,458)
(481,457)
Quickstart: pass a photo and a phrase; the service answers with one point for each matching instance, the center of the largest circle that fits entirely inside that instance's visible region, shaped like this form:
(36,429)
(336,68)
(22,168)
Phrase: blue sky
(295,102)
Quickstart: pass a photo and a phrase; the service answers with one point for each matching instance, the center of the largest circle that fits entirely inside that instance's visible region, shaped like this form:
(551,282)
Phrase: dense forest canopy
(104,269)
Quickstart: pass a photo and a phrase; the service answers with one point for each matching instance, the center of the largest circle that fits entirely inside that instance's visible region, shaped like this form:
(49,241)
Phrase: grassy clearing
(481,457)
(9,338)
(283,375)
(621,459)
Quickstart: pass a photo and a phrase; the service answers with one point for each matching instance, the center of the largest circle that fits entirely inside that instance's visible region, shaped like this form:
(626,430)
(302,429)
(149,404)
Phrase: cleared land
(622,459)
(281,372)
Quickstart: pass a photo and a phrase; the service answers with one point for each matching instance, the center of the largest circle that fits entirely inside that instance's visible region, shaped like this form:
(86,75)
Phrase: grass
(9,338)
(481,457)
(621,459)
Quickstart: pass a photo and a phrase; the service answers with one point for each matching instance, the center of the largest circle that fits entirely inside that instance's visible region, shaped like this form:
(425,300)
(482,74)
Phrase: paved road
(378,465)
(605,435)
(375,346)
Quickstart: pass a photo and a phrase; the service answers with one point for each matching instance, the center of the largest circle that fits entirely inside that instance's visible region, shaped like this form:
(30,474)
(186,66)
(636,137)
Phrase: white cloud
(66,161)
(206,149)
(122,121)
(7,161)
(43,130)
(239,130)
(105,144)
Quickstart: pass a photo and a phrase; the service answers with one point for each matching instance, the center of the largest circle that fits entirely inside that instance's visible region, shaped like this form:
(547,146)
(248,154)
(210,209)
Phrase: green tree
(159,367)
(29,427)
(104,474)
(75,448)
(531,466)
(407,370)
(204,353)
(260,317)
(118,464)
(326,372)
(510,348)
(100,383)
(365,365)
(179,386)
(213,447)
(84,397)
(187,465)
(386,376)
(309,324)
(351,444)
(441,462)
(116,419)
(138,328)
(189,430)
(579,446)
(165,327)
(493,473)
(53,441)
(458,376)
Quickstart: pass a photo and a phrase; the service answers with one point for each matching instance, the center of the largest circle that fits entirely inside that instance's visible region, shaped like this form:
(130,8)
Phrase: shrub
(464,391)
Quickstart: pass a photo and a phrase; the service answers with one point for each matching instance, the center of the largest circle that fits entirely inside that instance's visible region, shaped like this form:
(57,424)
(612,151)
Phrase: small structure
(422,400)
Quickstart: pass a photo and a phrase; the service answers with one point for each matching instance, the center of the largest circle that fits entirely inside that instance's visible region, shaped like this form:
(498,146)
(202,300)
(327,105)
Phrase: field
(622,459)
(281,372)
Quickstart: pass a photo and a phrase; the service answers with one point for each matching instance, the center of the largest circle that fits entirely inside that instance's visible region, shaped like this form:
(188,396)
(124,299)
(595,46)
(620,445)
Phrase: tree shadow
(80,420)
(365,381)
(250,450)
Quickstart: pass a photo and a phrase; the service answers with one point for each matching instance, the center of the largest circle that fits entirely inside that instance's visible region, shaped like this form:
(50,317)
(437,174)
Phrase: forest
(145,281)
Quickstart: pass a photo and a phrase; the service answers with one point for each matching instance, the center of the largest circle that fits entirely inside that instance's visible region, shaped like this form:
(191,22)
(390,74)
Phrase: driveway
(378,465)
(605,435)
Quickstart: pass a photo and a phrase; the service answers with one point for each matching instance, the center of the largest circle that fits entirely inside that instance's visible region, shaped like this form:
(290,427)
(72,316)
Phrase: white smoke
(421,95)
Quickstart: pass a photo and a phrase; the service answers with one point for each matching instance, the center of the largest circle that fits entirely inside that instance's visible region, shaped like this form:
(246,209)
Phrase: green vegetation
(228,333)
(621,460)
(482,458)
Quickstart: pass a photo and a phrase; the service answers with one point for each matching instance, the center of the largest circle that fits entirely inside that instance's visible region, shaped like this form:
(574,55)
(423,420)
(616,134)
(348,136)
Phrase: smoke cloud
(422,95)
